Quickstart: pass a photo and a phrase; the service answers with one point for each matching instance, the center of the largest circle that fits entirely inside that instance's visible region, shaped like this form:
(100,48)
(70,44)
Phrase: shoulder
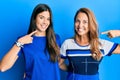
(106,43)
(102,41)
(68,41)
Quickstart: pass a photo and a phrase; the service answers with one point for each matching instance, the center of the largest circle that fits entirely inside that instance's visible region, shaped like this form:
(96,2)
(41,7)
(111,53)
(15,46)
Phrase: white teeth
(43,26)
(80,29)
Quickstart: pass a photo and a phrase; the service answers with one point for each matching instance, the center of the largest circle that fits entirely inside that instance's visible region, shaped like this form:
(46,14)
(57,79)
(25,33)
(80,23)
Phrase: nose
(45,21)
(80,24)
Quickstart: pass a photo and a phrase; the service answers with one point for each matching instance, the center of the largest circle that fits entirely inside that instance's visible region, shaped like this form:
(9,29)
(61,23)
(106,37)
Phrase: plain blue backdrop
(14,21)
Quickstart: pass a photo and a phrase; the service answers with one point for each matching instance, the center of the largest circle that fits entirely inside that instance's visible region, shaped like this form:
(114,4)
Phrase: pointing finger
(106,32)
(32,33)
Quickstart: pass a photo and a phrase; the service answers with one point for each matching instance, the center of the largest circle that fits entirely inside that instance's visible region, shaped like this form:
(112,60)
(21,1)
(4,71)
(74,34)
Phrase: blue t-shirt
(37,60)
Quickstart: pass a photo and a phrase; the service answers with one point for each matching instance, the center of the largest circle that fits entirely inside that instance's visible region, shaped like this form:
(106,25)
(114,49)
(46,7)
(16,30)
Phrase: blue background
(14,21)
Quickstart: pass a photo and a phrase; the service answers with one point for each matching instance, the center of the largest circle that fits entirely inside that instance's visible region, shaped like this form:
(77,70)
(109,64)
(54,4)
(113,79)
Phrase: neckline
(39,36)
(80,45)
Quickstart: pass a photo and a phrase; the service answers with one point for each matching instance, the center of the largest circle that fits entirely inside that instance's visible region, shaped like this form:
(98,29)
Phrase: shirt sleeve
(63,50)
(108,47)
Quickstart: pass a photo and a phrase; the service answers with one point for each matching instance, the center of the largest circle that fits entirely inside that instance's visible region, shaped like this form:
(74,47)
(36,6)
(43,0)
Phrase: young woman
(85,50)
(40,48)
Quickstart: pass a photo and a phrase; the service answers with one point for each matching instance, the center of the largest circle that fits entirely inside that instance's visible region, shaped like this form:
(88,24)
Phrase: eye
(85,22)
(41,17)
(77,21)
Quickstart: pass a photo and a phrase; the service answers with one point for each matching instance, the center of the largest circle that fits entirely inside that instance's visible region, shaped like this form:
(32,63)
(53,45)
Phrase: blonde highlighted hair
(93,32)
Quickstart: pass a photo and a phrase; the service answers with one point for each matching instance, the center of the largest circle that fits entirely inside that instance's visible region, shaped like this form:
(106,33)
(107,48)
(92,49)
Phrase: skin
(82,29)
(42,22)
(113,34)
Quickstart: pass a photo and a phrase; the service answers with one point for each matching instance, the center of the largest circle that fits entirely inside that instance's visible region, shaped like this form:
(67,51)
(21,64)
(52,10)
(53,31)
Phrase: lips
(43,26)
(80,29)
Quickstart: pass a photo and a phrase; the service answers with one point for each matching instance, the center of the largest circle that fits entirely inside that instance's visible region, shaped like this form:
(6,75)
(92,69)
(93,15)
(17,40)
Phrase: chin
(80,34)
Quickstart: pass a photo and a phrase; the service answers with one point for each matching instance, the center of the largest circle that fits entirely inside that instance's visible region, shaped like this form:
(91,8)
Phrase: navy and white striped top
(80,58)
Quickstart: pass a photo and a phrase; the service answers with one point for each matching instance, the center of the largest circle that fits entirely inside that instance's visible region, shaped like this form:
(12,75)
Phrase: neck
(82,40)
(38,33)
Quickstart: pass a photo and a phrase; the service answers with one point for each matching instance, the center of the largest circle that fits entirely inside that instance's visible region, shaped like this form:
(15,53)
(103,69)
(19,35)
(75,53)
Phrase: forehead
(44,13)
(82,16)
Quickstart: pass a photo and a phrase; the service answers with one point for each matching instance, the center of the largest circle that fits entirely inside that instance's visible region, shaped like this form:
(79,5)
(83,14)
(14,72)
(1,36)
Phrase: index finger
(106,32)
(32,33)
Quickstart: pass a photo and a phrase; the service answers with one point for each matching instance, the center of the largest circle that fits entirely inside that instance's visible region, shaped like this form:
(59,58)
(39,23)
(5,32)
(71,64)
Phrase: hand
(112,33)
(27,38)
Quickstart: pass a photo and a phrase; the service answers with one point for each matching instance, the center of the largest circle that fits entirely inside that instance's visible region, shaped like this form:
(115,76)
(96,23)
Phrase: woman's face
(81,24)
(42,21)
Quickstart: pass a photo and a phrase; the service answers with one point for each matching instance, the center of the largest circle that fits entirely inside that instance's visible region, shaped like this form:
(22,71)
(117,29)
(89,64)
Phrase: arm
(9,59)
(112,34)
(62,64)
(12,55)
(117,50)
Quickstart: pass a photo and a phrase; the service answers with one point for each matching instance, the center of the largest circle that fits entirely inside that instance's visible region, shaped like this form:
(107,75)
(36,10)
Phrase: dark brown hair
(51,45)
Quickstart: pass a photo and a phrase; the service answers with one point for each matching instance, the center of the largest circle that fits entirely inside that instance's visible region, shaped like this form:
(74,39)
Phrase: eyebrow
(43,16)
(79,19)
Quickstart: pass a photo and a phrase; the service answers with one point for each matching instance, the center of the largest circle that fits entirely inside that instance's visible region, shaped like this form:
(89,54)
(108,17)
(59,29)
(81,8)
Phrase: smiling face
(42,21)
(81,24)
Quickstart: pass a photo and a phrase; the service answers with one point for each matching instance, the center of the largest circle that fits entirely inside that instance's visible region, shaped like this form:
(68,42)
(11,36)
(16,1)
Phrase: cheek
(37,24)
(76,25)
(87,27)
(48,22)
(38,20)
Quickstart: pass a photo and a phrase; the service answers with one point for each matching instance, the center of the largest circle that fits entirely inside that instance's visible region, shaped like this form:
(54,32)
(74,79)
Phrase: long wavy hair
(51,45)
(93,33)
